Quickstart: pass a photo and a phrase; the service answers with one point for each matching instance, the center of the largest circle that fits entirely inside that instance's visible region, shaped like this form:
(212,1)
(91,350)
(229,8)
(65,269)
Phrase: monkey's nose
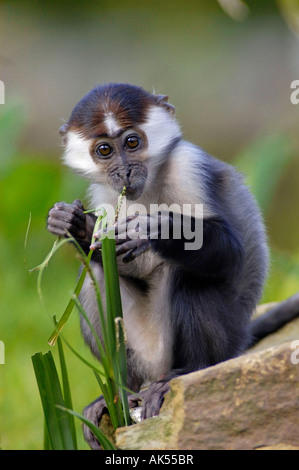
(124,174)
(128,172)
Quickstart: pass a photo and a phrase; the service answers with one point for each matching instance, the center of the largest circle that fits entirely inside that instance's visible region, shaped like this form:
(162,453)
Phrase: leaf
(68,310)
(114,311)
(103,440)
(57,422)
(66,388)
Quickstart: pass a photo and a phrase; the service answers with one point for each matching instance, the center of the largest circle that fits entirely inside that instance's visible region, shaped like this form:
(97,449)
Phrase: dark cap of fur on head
(128,104)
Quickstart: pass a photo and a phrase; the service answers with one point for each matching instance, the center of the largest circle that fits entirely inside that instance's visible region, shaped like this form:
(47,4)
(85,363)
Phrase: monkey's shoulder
(193,176)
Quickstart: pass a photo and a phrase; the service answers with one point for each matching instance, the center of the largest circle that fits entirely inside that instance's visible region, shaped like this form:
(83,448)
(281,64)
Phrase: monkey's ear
(63,129)
(162,100)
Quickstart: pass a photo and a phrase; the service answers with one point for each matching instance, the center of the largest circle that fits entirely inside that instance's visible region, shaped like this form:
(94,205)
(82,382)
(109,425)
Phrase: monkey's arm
(221,251)
(218,254)
(66,218)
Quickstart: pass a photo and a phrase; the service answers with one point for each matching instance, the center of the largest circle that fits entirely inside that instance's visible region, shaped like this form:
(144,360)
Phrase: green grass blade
(85,361)
(114,313)
(62,418)
(57,422)
(47,443)
(108,393)
(103,440)
(47,402)
(66,390)
(110,304)
(69,308)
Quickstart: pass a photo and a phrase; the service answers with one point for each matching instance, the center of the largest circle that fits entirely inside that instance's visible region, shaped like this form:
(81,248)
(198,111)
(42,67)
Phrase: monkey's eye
(104,150)
(132,142)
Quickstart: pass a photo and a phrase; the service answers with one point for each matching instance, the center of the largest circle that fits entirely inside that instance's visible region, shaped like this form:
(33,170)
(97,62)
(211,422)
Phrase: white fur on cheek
(77,156)
(161,128)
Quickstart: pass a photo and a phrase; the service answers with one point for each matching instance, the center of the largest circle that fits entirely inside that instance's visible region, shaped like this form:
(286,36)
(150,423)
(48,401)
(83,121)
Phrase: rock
(251,402)
(107,428)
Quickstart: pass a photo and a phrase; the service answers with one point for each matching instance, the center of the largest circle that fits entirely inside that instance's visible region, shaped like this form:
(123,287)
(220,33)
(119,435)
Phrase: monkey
(184,309)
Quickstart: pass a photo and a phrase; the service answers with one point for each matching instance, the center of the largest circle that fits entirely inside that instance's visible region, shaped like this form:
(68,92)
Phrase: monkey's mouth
(133,193)
(132,176)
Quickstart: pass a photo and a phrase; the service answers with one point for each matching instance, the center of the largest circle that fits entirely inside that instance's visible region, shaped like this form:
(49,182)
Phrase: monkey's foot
(153,398)
(94,413)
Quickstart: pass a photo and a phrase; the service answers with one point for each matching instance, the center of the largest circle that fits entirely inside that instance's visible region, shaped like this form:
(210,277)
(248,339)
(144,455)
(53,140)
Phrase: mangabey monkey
(184,309)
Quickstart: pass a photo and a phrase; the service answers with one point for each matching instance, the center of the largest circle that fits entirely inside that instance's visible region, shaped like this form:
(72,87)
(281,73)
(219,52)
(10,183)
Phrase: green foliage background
(152,45)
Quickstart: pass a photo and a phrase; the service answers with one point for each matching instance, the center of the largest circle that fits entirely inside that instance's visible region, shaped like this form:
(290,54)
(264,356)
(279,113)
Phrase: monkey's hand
(131,237)
(64,219)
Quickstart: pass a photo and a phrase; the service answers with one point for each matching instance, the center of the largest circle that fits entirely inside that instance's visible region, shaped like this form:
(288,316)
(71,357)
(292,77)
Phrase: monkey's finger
(134,401)
(78,203)
(152,407)
(61,228)
(66,216)
(122,238)
(96,245)
(153,399)
(121,226)
(71,209)
(58,232)
(141,248)
(132,231)
(125,247)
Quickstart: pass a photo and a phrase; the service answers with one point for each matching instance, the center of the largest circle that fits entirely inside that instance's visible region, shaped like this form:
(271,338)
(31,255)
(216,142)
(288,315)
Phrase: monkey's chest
(143,267)
(147,328)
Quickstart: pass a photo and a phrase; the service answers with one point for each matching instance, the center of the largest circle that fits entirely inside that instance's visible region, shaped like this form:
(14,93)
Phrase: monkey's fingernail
(95,246)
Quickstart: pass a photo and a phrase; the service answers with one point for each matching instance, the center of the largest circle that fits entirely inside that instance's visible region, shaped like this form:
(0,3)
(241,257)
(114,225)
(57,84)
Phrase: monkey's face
(118,135)
(123,160)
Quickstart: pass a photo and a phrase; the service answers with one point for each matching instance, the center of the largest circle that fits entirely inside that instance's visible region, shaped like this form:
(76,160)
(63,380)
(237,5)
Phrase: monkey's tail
(274,319)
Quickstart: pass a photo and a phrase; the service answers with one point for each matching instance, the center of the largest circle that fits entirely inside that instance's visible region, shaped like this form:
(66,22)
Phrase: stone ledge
(251,402)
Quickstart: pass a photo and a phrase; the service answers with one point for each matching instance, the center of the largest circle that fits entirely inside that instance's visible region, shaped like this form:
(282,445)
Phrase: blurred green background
(227,67)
